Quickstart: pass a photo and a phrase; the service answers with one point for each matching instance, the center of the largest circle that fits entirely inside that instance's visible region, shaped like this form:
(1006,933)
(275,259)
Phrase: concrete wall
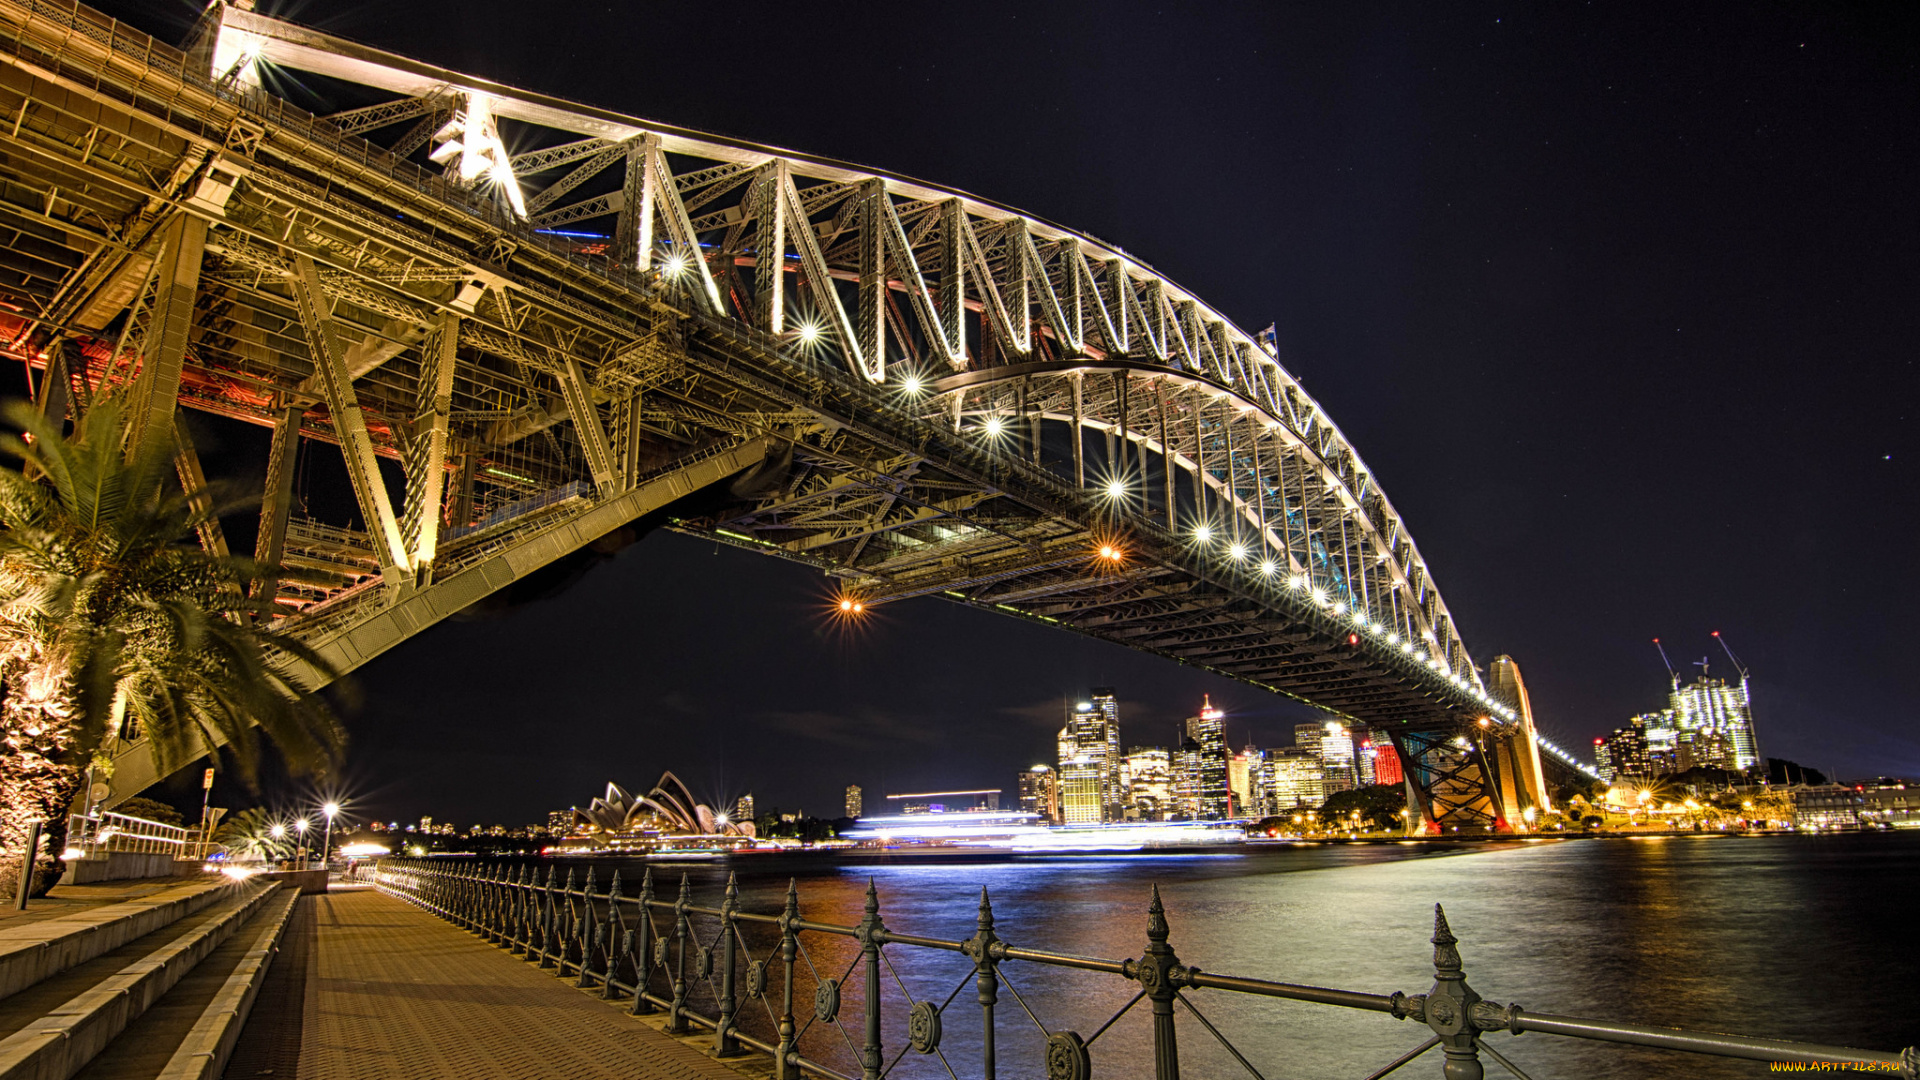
(117,866)
(307,881)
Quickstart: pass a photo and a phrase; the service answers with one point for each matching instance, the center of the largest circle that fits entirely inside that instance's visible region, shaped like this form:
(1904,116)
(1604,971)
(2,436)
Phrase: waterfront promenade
(368,987)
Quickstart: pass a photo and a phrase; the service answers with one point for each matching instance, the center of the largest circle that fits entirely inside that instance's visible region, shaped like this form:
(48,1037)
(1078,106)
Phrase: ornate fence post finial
(1449,1005)
(783,1066)
(643,945)
(870,931)
(1160,974)
(986,978)
(724,1044)
(610,943)
(676,1012)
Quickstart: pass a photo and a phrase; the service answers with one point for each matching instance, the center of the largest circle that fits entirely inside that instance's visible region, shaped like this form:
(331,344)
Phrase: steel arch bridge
(917,391)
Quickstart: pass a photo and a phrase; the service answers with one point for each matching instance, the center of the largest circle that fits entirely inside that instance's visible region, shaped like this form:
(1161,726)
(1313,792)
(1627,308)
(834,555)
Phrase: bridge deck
(367,987)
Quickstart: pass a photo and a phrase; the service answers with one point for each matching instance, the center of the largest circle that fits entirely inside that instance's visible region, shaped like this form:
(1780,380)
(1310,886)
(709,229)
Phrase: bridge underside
(920,394)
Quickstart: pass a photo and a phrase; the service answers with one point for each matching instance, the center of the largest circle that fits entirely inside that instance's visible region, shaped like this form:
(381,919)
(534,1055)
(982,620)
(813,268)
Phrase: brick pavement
(368,987)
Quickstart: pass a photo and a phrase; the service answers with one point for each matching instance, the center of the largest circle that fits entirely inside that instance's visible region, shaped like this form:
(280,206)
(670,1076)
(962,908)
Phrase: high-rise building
(1186,781)
(1207,731)
(559,822)
(856,805)
(1629,753)
(1243,780)
(1307,737)
(1090,754)
(1113,795)
(1721,718)
(1336,757)
(1363,755)
(1148,772)
(1040,793)
(1386,760)
(1297,779)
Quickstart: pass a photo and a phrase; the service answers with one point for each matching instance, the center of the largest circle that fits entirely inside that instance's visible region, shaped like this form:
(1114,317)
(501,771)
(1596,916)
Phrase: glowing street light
(912,385)
(675,266)
(1238,551)
(1268,568)
(1203,533)
(809,333)
(326,842)
(1116,489)
(994,427)
(1111,553)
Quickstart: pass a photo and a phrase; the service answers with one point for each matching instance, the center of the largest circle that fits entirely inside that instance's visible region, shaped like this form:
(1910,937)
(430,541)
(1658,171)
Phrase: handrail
(619,944)
(107,831)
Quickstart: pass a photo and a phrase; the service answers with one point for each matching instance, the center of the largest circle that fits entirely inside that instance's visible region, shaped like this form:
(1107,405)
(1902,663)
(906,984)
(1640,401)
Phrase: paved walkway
(367,987)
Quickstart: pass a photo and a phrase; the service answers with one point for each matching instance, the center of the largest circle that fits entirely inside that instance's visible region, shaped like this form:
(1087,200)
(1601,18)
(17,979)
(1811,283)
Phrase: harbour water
(1796,937)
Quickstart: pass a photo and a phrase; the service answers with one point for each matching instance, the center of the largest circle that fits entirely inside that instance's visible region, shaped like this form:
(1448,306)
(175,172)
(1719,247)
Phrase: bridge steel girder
(427,452)
(347,643)
(363,466)
(326,235)
(157,387)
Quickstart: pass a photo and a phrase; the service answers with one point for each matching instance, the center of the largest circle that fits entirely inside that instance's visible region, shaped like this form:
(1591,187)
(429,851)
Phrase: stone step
(48,1038)
(190,1033)
(40,950)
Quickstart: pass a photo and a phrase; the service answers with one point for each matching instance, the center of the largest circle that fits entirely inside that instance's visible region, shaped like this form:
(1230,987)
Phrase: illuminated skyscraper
(1083,766)
(1244,781)
(1148,773)
(1298,780)
(1040,793)
(1207,732)
(856,806)
(1186,781)
(743,808)
(1336,757)
(1113,794)
(1386,761)
(1720,719)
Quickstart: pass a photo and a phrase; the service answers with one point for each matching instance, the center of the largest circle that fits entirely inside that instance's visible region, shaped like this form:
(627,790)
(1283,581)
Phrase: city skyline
(1487,261)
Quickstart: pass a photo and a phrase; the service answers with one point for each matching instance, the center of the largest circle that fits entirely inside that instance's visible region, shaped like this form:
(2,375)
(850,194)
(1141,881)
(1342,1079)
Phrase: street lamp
(300,826)
(326,843)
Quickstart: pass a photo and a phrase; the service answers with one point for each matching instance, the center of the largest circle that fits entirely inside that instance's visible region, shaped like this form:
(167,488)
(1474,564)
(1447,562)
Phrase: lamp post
(326,843)
(300,826)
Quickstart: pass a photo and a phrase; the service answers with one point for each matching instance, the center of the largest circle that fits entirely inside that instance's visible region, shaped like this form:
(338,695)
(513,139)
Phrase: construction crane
(1672,674)
(1737,665)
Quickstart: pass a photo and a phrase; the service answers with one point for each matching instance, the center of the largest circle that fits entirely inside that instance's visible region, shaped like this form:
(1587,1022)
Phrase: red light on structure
(1599,742)
(1353,639)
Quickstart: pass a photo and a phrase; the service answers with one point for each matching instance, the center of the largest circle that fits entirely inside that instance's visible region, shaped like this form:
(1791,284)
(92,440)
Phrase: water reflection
(1786,937)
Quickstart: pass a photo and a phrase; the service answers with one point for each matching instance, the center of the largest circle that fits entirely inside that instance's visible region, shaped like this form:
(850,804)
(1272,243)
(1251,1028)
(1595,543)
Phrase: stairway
(151,988)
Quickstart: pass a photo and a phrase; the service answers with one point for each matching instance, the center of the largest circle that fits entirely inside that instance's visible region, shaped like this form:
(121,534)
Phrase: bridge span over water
(528,324)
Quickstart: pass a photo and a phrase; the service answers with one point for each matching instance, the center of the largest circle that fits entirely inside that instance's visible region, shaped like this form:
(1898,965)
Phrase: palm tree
(249,836)
(110,625)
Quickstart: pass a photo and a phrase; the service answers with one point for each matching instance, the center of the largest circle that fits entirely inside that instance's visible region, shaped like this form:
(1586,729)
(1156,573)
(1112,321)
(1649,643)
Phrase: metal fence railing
(675,955)
(103,832)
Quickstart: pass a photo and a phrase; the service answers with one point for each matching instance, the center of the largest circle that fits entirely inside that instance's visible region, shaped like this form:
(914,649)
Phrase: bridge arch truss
(556,319)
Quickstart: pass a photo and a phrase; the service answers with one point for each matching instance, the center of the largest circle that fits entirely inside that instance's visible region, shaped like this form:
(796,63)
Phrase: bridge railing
(103,832)
(740,976)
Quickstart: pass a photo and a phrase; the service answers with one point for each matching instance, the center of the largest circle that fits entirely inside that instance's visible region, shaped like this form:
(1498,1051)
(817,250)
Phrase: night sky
(1620,303)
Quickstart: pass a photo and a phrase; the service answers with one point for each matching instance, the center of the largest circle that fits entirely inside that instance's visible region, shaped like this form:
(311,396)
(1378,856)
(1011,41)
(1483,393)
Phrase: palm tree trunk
(37,783)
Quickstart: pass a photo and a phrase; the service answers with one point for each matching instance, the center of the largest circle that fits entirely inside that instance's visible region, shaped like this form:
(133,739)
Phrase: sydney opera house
(666,819)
